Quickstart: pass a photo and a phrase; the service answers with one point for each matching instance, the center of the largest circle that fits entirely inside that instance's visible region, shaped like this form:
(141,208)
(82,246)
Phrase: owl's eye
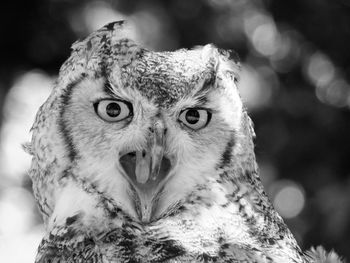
(195,118)
(113,110)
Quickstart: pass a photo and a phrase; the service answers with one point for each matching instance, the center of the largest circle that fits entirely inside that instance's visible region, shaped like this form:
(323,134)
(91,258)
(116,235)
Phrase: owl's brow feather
(110,90)
(107,88)
(201,93)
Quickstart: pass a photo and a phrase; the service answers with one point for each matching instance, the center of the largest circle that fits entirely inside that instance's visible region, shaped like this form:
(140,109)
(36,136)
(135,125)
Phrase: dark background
(295,82)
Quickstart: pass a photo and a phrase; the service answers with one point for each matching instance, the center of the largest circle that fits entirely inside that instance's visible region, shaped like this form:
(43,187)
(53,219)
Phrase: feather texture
(320,255)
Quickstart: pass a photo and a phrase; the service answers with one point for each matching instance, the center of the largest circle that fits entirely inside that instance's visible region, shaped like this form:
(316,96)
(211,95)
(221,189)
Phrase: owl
(143,156)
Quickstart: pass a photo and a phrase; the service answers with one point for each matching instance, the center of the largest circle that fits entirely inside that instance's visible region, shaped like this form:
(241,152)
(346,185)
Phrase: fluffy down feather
(320,255)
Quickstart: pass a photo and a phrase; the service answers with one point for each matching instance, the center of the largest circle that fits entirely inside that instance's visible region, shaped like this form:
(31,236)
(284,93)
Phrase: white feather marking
(72,200)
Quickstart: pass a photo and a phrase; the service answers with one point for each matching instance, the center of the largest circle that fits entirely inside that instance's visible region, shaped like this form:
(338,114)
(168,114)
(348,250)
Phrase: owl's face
(145,134)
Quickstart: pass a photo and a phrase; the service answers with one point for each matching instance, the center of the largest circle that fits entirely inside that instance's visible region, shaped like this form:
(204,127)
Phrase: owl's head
(142,127)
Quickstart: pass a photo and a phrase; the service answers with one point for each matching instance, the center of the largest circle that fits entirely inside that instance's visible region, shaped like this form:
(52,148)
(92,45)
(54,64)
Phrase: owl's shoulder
(68,249)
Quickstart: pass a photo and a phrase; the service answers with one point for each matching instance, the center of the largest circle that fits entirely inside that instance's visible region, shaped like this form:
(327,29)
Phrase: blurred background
(295,83)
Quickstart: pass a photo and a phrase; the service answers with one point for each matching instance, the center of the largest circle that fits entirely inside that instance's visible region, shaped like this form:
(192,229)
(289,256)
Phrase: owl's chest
(122,246)
(170,252)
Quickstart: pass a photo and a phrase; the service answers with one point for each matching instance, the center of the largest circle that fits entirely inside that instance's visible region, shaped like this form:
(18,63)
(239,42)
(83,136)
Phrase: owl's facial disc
(147,171)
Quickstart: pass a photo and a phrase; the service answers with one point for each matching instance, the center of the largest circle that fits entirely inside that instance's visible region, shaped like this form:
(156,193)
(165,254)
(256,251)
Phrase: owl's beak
(148,162)
(147,170)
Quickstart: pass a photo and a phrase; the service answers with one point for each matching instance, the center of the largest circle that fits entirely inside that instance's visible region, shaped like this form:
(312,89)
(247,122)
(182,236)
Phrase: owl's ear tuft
(225,61)
(102,51)
(230,54)
(27,147)
(229,63)
(116,24)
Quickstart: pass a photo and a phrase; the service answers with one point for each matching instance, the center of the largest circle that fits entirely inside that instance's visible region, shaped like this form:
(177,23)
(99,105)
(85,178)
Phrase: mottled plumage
(174,180)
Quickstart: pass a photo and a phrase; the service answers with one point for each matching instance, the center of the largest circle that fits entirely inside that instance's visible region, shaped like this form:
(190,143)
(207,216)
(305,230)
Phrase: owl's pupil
(192,116)
(113,109)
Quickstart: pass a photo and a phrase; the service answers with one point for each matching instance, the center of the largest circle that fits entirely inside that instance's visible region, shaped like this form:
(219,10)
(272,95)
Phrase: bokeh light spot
(287,52)
(18,226)
(264,38)
(320,69)
(338,93)
(16,211)
(289,199)
(330,84)
(23,100)
(257,86)
(262,32)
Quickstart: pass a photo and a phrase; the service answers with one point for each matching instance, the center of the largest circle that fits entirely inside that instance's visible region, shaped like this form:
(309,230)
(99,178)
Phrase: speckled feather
(226,215)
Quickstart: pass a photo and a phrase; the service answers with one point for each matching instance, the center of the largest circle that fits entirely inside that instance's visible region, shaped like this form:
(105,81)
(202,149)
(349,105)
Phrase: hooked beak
(148,162)
(146,170)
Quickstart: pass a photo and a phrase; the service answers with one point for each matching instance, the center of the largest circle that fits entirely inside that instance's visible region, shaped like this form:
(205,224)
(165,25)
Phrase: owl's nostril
(152,130)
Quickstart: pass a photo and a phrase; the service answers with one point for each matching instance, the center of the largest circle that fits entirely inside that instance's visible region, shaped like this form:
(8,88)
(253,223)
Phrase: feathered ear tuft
(227,59)
(320,255)
(27,147)
(230,54)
